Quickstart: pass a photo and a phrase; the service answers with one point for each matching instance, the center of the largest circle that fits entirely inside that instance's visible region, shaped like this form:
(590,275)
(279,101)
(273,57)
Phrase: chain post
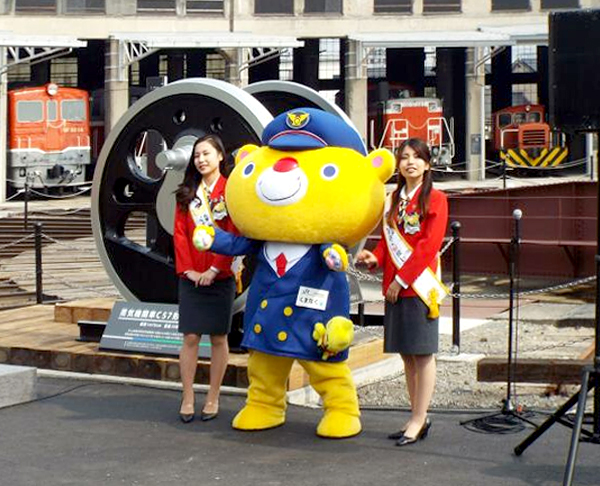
(26,204)
(361,314)
(39,296)
(455,226)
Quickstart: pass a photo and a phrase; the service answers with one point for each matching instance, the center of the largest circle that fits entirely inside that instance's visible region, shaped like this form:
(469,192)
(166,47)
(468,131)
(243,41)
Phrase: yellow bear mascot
(299,200)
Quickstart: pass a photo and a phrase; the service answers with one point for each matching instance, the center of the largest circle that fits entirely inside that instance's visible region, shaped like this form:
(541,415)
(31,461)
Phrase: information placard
(146,328)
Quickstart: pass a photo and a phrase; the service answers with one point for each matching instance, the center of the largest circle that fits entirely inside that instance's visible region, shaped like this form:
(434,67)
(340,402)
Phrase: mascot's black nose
(285,165)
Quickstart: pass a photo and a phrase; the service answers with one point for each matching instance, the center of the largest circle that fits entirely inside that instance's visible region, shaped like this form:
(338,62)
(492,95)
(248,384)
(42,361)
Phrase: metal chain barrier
(66,245)
(567,285)
(106,293)
(33,191)
(490,164)
(57,212)
(16,242)
(365,277)
(15,195)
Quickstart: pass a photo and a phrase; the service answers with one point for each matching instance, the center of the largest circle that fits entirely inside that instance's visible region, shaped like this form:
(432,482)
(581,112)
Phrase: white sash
(428,285)
(201,213)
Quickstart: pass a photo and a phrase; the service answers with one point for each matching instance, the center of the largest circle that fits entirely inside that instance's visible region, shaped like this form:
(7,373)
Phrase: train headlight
(52,89)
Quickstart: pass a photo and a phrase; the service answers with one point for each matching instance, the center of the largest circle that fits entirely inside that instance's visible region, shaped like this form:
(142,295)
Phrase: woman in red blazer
(415,219)
(206,284)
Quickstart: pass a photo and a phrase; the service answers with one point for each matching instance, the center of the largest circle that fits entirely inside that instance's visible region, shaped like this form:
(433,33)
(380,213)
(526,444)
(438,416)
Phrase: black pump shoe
(405,440)
(186,418)
(396,435)
(205,417)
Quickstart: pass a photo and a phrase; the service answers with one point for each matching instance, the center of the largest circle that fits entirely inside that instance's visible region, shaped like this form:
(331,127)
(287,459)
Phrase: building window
(215,66)
(204,6)
(286,65)
(274,7)
(441,6)
(156,6)
(85,6)
(524,94)
(376,66)
(38,6)
(329,59)
(64,71)
(555,4)
(524,59)
(393,6)
(499,5)
(323,6)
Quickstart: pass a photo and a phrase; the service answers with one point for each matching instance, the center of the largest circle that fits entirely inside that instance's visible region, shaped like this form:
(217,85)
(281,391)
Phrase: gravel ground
(457,386)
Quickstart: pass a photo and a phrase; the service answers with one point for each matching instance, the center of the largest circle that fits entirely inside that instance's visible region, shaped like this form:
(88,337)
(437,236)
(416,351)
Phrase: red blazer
(186,255)
(425,244)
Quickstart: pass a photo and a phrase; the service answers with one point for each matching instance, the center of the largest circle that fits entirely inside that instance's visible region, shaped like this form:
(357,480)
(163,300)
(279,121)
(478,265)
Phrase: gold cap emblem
(297,119)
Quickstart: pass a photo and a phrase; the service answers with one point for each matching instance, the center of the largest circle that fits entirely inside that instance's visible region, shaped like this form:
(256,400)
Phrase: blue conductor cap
(311,128)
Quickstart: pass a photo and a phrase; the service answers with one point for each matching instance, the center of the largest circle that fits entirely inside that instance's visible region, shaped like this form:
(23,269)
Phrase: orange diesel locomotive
(395,120)
(49,136)
(522,138)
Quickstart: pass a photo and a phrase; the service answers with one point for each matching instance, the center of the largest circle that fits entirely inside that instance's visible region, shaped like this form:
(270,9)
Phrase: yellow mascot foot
(336,424)
(258,418)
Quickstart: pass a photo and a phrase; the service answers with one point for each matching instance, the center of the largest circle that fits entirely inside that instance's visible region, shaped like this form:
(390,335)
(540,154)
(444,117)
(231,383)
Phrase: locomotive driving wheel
(142,162)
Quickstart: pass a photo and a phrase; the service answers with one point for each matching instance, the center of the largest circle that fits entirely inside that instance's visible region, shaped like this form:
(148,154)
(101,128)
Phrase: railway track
(71,266)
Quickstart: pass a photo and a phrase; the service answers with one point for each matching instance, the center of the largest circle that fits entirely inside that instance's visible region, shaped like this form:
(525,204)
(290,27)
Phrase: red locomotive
(395,120)
(49,136)
(522,138)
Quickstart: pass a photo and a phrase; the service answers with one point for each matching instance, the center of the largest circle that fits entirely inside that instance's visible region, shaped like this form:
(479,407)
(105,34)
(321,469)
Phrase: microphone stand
(590,382)
(507,419)
(513,269)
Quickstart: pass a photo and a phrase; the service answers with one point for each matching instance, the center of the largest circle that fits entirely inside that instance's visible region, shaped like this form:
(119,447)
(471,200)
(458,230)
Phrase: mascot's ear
(383,162)
(244,151)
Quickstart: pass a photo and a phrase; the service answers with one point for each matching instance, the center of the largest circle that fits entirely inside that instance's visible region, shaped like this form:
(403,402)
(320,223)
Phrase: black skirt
(206,310)
(408,330)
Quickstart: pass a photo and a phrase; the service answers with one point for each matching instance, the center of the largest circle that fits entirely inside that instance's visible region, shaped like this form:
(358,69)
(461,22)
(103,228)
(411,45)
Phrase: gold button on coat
(288,311)
(263,304)
(257,328)
(282,336)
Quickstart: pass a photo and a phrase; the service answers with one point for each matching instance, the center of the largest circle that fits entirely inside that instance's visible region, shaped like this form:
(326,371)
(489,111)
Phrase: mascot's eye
(329,171)
(247,172)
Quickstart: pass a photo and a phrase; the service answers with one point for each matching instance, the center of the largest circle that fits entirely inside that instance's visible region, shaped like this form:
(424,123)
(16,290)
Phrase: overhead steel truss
(33,49)
(134,47)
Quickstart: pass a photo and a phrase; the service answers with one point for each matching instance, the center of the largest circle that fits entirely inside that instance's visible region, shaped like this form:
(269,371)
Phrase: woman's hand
(193,276)
(206,278)
(392,292)
(367,258)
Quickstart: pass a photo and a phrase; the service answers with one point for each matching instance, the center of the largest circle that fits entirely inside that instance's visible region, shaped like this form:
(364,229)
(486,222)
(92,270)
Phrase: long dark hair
(186,191)
(422,151)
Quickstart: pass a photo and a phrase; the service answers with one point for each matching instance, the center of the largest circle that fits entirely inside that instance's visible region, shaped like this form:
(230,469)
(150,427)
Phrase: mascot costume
(299,200)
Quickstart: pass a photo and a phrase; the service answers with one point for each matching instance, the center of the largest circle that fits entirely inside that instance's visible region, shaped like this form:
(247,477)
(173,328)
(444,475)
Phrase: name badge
(312,298)
(412,225)
(200,216)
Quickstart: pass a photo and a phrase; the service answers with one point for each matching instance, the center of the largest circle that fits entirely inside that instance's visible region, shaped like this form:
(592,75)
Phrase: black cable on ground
(500,423)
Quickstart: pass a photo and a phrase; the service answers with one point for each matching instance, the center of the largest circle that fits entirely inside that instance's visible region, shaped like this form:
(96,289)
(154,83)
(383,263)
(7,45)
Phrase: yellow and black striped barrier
(545,158)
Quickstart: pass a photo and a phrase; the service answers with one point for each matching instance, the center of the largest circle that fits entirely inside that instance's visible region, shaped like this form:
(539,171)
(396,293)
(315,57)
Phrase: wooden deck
(45,336)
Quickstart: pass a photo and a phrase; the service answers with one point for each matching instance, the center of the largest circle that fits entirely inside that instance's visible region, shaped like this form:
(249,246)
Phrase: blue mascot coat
(273,323)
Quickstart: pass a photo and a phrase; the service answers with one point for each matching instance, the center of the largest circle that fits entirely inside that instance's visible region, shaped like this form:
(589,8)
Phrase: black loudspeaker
(574,68)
